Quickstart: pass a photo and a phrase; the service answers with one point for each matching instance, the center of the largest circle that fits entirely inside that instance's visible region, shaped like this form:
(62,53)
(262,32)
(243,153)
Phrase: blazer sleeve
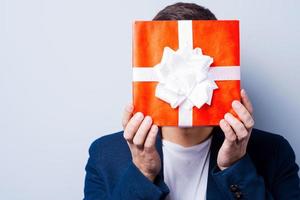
(132,184)
(241,181)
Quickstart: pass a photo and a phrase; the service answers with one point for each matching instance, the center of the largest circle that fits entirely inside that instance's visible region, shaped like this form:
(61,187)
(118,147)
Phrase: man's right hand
(140,135)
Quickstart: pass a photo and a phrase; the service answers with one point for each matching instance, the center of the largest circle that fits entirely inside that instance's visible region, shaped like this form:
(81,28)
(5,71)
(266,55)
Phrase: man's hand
(237,132)
(140,135)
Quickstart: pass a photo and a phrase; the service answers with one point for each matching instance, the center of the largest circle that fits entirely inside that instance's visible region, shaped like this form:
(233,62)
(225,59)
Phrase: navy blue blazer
(267,171)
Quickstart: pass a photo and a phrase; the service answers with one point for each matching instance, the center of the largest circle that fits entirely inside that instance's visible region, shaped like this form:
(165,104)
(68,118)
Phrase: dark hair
(184,11)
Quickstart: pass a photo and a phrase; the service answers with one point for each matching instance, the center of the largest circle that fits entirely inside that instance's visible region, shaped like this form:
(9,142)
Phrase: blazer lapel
(212,191)
(160,152)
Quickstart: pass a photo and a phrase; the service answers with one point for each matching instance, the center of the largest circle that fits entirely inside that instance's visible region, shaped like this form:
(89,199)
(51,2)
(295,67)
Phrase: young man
(231,161)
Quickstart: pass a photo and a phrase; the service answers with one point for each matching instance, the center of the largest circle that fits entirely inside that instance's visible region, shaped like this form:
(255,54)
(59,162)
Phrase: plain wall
(65,76)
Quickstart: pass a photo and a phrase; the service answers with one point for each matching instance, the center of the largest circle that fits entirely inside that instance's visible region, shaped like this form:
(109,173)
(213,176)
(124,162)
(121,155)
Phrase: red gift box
(171,99)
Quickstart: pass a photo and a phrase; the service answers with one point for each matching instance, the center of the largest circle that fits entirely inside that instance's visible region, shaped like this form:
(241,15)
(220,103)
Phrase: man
(231,161)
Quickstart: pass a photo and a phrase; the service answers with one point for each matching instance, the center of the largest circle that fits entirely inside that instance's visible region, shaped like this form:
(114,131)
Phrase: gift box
(187,72)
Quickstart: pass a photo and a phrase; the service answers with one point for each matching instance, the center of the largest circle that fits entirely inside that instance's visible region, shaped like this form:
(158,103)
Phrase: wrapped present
(187,72)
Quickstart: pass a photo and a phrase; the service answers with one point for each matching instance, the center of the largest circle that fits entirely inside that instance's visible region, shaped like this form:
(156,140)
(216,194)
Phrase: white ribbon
(185,76)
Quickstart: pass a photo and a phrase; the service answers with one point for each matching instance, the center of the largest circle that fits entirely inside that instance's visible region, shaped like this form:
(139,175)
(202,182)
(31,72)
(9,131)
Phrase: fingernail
(236,104)
(129,107)
(227,116)
(221,121)
(139,115)
(148,119)
(244,92)
(155,127)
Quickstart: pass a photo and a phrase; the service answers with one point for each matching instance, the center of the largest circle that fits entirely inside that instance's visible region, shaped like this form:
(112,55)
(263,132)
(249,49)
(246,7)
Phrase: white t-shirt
(186,170)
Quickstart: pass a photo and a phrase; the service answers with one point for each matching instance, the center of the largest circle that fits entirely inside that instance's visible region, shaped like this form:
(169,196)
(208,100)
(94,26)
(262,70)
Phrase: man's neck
(186,136)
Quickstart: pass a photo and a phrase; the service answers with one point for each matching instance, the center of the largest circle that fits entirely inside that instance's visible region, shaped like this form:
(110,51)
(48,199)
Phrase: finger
(246,101)
(132,126)
(151,138)
(127,114)
(228,132)
(243,114)
(142,132)
(238,127)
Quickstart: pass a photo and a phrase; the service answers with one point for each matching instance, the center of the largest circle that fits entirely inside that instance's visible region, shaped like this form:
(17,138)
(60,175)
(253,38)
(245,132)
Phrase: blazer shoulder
(108,139)
(267,140)
(269,149)
(107,143)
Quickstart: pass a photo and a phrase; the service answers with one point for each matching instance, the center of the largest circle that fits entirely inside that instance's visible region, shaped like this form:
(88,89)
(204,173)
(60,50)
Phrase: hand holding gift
(237,132)
(140,135)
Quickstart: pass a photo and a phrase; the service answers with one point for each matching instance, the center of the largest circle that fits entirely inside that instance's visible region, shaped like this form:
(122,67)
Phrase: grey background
(65,77)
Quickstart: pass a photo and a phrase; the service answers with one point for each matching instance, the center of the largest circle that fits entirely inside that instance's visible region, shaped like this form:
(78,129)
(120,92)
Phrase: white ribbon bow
(183,78)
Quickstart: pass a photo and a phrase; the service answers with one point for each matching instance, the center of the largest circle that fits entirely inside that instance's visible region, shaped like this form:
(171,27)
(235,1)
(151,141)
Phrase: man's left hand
(237,132)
